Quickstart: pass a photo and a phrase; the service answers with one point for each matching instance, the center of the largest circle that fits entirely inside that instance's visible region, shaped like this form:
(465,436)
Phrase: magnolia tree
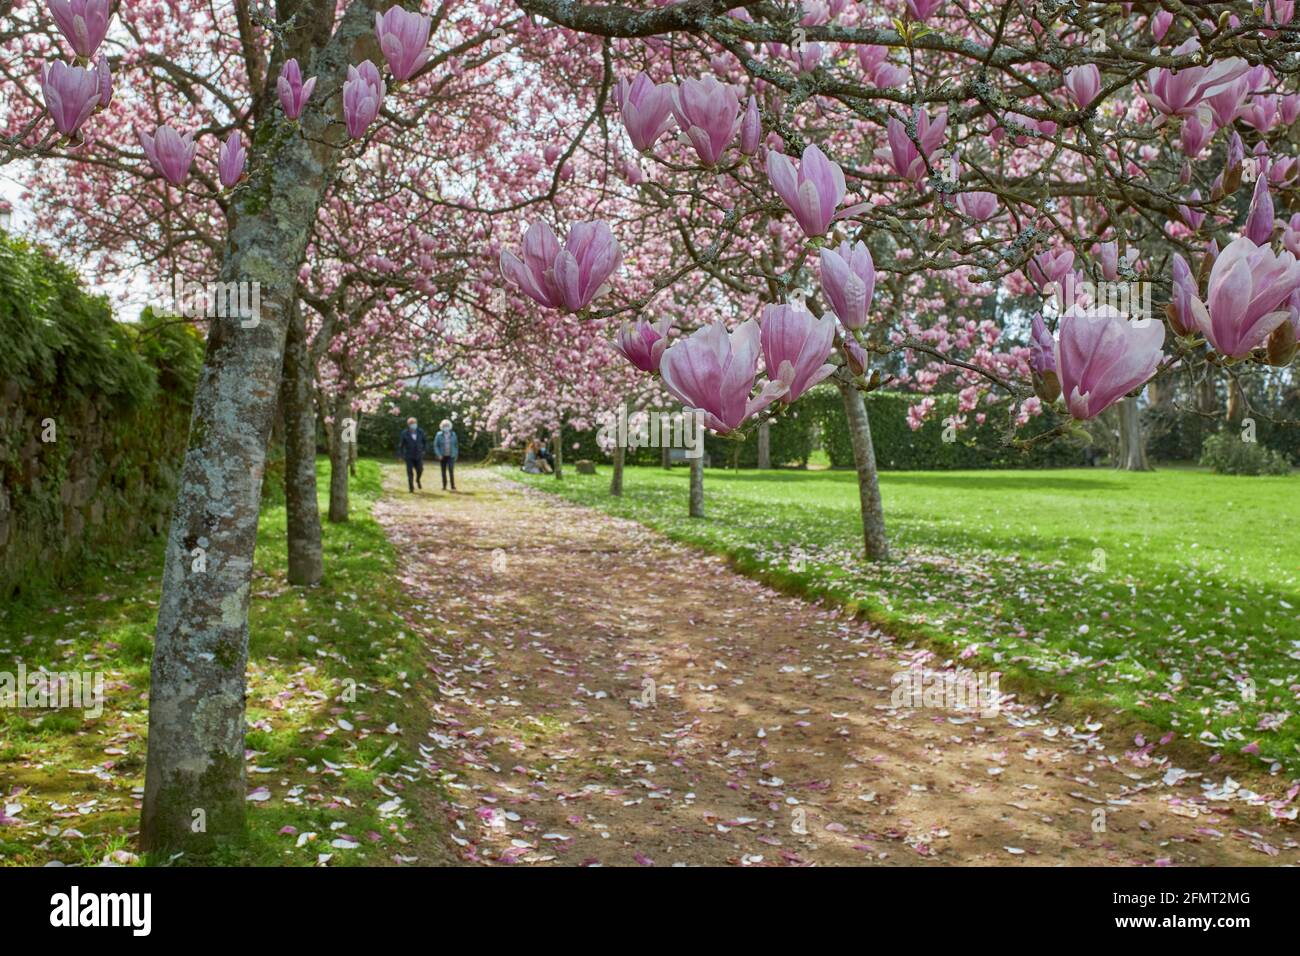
(1088,161)
(811,184)
(226,143)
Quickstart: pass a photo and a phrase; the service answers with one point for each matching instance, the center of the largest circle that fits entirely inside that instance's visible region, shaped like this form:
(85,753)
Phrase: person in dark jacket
(410,445)
(446,449)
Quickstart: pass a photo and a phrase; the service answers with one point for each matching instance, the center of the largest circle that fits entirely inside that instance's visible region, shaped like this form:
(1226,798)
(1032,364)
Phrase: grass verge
(333,714)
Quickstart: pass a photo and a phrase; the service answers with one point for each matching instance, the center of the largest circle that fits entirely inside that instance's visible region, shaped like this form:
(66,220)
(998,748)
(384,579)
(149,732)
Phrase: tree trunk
(666,457)
(616,479)
(1236,401)
(765,445)
(342,437)
(697,487)
(353,454)
(1207,394)
(875,543)
(1132,449)
(558,442)
(194,778)
(302,513)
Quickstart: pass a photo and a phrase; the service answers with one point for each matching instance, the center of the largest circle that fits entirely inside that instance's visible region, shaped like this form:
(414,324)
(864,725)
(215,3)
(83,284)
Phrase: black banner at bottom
(132,904)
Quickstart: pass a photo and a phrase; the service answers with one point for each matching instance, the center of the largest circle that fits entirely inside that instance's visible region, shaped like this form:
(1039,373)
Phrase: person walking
(410,445)
(446,449)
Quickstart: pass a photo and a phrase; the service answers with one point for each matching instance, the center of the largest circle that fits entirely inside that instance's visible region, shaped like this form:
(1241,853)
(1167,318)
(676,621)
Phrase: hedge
(900,448)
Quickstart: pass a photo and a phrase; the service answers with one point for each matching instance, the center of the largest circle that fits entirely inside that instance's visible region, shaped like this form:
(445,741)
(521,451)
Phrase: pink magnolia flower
(1102,356)
(1259,223)
(404,39)
(643,344)
(848,282)
(1282,172)
(1042,347)
(170,153)
(1195,134)
(871,56)
(807,56)
(888,76)
(902,153)
(1160,24)
(751,128)
(646,109)
(1051,268)
(1192,216)
(796,346)
(293,92)
(563,278)
(1226,103)
(1278,12)
(713,371)
(104,79)
(1084,83)
(706,111)
(231,159)
(1108,253)
(71,94)
(977,205)
(1245,294)
(1289,108)
(83,22)
(1181,93)
(1291,235)
(922,9)
(1262,112)
(812,192)
(363,92)
(1183,290)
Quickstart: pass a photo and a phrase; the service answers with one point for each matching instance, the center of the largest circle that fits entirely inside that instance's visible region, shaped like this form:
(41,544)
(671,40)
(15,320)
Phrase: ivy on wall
(94,418)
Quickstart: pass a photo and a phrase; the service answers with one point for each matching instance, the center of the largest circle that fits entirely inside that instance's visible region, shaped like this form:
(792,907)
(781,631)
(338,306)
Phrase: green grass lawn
(1171,596)
(333,725)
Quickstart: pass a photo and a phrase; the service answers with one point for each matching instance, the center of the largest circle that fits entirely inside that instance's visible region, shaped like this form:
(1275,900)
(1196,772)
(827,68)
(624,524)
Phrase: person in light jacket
(446,448)
(410,445)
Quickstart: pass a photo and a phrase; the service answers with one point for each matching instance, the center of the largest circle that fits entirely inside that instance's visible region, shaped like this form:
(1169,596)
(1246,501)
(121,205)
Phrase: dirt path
(602,695)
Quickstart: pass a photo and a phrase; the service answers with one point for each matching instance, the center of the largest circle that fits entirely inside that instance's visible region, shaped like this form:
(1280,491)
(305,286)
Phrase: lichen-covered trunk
(194,777)
(765,445)
(875,542)
(1132,448)
(697,487)
(342,436)
(616,479)
(302,513)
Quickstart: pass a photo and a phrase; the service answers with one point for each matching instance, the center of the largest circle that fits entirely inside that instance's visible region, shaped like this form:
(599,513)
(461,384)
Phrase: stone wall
(107,479)
(94,418)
